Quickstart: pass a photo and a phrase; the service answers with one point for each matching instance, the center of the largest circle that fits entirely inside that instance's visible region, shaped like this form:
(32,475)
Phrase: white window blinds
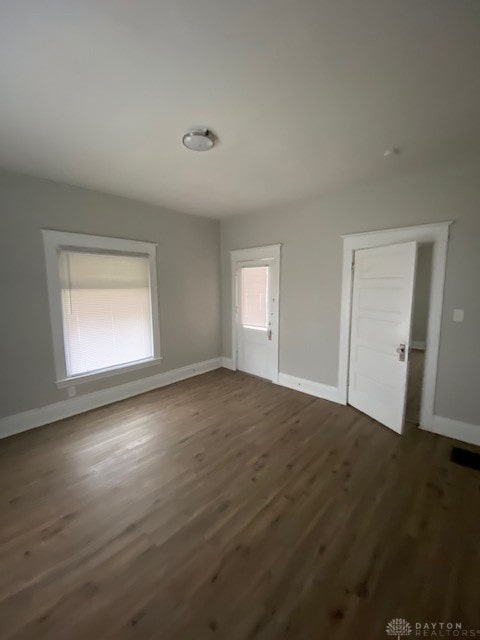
(106,307)
(254,287)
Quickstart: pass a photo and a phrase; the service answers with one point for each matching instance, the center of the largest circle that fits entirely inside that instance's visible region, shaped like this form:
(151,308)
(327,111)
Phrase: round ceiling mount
(198,140)
(392,151)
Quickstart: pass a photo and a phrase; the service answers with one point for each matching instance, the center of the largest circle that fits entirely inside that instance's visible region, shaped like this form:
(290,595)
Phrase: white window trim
(54,241)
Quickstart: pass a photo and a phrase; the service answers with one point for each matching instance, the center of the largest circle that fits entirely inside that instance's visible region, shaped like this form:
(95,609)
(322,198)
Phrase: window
(254,287)
(103,304)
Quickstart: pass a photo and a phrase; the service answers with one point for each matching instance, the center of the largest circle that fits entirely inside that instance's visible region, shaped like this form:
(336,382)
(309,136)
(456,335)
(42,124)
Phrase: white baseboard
(442,426)
(66,408)
(421,345)
(454,429)
(316,389)
(227,363)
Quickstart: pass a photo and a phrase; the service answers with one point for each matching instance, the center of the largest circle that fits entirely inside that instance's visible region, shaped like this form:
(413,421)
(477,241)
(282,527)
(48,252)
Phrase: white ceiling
(304,95)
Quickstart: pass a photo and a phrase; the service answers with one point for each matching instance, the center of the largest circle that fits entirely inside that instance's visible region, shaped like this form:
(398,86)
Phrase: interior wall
(311,272)
(421,298)
(187,271)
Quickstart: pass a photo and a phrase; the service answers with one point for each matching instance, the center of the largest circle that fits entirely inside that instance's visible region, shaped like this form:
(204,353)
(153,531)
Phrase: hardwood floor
(227,507)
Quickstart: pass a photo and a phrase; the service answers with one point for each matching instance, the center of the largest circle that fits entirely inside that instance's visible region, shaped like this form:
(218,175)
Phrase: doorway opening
(419,334)
(383,389)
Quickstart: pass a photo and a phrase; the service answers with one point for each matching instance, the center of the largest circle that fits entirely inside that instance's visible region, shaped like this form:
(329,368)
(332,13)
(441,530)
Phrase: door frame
(258,254)
(438,235)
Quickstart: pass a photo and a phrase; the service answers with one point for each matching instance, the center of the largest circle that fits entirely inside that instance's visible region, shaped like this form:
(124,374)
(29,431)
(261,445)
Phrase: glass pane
(254,286)
(106,310)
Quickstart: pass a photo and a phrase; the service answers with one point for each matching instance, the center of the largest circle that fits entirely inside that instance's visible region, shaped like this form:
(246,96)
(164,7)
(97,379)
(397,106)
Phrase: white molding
(455,429)
(448,427)
(428,229)
(420,345)
(55,240)
(437,234)
(227,363)
(316,389)
(107,373)
(266,252)
(270,252)
(66,408)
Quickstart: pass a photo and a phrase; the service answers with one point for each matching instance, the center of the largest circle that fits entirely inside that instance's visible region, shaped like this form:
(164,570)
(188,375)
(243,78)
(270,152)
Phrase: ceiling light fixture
(393,151)
(198,140)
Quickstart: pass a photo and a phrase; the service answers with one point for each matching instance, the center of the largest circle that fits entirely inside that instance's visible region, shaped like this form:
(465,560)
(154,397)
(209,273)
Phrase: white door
(383,285)
(256,309)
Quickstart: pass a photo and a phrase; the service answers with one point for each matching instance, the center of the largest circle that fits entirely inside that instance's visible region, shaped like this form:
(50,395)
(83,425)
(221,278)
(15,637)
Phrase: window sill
(106,373)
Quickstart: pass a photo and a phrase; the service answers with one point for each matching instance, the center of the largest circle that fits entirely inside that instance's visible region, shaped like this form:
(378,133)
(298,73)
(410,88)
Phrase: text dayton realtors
(444,630)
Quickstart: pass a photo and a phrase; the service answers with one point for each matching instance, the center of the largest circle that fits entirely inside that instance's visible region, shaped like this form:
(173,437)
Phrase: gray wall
(188,256)
(312,269)
(421,297)
(188,282)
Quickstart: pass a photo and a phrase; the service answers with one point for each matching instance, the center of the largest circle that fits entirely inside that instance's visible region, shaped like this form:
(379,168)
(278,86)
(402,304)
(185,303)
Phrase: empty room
(239,353)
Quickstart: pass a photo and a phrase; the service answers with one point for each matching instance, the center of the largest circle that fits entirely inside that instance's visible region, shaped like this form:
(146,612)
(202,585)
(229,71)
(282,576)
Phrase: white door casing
(382,304)
(436,233)
(255,349)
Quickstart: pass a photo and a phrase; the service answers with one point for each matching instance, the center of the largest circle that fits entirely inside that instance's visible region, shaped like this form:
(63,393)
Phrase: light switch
(458,315)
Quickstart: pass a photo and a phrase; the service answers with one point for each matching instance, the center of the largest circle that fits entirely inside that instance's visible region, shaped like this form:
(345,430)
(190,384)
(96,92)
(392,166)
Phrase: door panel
(383,285)
(253,351)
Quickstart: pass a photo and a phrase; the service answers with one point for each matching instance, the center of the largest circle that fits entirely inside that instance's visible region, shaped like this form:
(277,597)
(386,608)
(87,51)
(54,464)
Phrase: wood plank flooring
(227,507)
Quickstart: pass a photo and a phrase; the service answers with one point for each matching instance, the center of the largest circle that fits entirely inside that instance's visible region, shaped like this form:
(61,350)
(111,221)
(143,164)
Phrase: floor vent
(465,458)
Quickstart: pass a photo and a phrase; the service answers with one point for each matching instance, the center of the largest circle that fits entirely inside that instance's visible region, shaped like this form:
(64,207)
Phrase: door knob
(401,350)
